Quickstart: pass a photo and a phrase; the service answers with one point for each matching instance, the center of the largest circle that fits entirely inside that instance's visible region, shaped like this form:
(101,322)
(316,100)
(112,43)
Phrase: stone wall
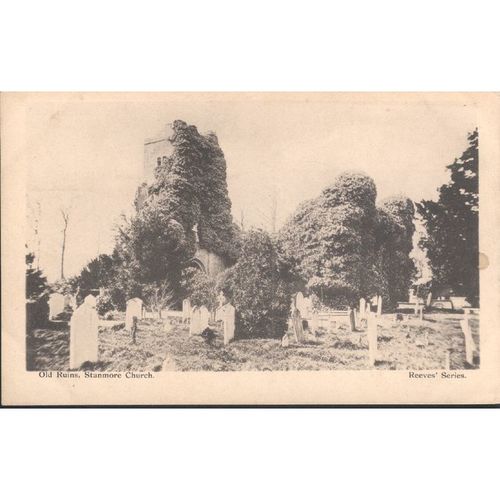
(211,263)
(156,149)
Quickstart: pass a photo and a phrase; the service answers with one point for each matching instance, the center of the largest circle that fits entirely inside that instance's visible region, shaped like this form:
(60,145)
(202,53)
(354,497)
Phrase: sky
(85,154)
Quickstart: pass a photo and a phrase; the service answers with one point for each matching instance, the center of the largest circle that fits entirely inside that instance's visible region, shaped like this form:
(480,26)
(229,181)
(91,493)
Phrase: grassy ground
(161,346)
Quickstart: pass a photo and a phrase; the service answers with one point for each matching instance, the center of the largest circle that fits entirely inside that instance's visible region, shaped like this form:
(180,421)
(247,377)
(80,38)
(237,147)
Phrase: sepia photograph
(210,233)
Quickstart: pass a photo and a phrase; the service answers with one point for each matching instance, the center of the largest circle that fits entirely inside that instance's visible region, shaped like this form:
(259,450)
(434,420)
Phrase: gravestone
(362,308)
(186,310)
(56,305)
(352,319)
(379,306)
(195,322)
(204,317)
(469,342)
(285,341)
(83,337)
(307,308)
(229,319)
(371,333)
(134,308)
(314,322)
(298,329)
(219,313)
(428,302)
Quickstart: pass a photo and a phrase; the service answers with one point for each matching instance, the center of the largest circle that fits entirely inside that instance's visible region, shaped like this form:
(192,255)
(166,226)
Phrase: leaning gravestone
(56,305)
(186,310)
(229,319)
(134,308)
(83,339)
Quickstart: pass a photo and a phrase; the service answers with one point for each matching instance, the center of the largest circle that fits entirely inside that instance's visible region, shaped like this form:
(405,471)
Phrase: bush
(104,303)
(257,287)
(200,288)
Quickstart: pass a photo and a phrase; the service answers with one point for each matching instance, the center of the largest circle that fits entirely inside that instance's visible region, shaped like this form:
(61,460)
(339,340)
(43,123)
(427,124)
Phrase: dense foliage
(186,205)
(330,241)
(192,188)
(342,247)
(395,228)
(452,241)
(200,288)
(37,295)
(257,287)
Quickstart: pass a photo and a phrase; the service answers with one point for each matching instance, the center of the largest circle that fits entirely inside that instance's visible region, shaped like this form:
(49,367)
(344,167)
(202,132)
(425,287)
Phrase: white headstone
(229,320)
(186,310)
(219,313)
(195,321)
(56,305)
(299,301)
(298,329)
(428,302)
(371,332)
(285,341)
(362,308)
(90,300)
(379,306)
(83,341)
(306,308)
(134,308)
(469,342)
(204,318)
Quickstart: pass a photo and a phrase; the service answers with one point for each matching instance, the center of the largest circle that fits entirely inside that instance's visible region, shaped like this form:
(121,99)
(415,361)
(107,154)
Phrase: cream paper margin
(20,387)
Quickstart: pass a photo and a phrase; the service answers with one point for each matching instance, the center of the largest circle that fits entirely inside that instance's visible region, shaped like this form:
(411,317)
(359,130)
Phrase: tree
(159,297)
(257,287)
(152,248)
(329,243)
(65,217)
(394,241)
(37,295)
(452,225)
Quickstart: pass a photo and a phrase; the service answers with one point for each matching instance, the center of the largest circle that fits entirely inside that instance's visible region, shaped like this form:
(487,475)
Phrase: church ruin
(157,150)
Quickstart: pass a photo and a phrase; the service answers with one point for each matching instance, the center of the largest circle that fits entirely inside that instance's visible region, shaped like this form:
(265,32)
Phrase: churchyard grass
(161,346)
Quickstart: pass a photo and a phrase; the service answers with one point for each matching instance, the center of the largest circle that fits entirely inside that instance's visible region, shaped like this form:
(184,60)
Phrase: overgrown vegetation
(452,224)
(257,287)
(341,246)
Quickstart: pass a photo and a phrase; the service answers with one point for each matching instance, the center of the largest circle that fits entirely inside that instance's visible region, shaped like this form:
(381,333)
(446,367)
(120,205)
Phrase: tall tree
(452,225)
(395,229)
(330,241)
(65,217)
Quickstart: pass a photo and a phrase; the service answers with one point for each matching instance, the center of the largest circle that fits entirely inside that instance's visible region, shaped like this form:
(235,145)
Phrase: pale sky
(87,154)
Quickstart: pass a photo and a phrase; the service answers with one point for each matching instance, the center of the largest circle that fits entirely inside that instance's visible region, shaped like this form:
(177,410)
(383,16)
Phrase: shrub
(257,287)
(104,303)
(200,288)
